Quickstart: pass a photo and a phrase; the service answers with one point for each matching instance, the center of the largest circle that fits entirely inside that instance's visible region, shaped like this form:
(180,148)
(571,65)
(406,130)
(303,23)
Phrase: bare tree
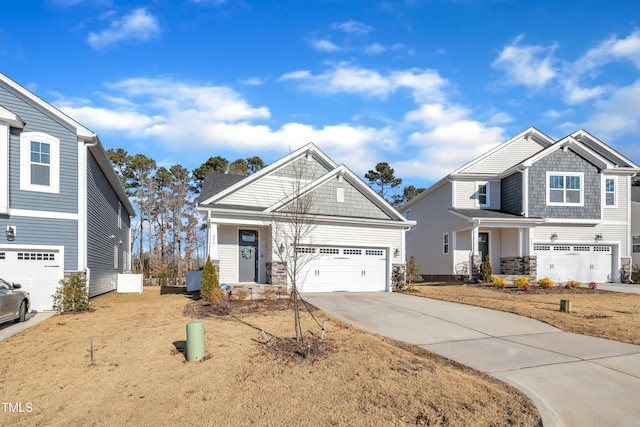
(293,225)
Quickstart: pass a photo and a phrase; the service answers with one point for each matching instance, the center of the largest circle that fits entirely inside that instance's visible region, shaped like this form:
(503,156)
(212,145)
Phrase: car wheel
(23,313)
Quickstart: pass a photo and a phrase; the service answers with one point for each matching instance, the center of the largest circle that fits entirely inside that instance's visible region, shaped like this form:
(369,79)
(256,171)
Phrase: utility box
(565,306)
(195,341)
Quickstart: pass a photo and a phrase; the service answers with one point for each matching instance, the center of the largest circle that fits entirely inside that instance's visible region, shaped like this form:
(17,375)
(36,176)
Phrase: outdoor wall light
(12,231)
(554,237)
(396,253)
(598,237)
(281,247)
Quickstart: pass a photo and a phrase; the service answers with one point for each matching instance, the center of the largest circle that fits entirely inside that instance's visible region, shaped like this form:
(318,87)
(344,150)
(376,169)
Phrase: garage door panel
(38,272)
(584,263)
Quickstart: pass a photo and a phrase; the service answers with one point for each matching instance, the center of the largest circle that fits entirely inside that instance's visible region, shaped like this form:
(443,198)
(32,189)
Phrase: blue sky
(423,85)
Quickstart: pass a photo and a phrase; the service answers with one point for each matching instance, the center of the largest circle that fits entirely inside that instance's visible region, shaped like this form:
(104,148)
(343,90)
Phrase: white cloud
(617,115)
(253,81)
(324,45)
(139,25)
(612,49)
(352,27)
(344,78)
(375,49)
(531,66)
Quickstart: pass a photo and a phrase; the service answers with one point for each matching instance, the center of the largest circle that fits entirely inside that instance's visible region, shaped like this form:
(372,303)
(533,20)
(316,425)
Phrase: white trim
(82,208)
(25,162)
(4,168)
(45,214)
(525,192)
(604,192)
(487,201)
(564,175)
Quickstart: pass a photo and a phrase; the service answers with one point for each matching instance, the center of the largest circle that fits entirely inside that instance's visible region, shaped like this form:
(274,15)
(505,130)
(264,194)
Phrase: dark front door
(483,245)
(248,256)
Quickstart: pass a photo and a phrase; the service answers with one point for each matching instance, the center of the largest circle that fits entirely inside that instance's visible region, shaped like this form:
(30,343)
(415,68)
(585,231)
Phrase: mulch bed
(535,289)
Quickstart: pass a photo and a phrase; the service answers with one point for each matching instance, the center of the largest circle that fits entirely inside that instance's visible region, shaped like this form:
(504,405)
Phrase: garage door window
(2,255)
(36,256)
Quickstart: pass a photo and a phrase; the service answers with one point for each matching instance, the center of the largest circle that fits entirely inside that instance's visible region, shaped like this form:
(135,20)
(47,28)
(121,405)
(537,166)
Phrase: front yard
(140,376)
(597,313)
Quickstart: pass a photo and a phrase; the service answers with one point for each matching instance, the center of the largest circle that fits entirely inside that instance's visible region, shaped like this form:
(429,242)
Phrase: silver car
(14,302)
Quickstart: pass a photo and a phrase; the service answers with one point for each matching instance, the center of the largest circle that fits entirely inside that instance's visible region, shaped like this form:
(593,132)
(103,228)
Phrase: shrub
(72,294)
(486,271)
(413,273)
(593,285)
(241,294)
(209,284)
(527,287)
(520,282)
(499,281)
(573,284)
(546,283)
(635,273)
(270,293)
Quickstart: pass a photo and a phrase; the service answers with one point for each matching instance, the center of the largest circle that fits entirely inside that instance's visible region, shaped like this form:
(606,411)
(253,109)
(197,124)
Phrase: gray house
(62,207)
(535,206)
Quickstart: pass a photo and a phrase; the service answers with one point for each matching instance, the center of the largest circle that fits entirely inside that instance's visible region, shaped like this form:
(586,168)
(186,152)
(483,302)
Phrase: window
(564,189)
(119,215)
(610,192)
(115,256)
(39,162)
(483,194)
(636,244)
(445,242)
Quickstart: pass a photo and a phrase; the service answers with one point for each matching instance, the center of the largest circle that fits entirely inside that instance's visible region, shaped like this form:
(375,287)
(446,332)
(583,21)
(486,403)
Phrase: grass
(597,313)
(139,375)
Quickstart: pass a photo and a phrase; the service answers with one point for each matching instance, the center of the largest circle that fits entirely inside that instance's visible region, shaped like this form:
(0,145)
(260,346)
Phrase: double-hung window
(482,194)
(610,192)
(39,162)
(445,243)
(565,189)
(636,244)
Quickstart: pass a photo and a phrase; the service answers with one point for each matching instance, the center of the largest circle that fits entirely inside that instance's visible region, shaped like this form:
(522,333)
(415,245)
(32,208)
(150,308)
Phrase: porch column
(521,240)
(212,249)
(474,251)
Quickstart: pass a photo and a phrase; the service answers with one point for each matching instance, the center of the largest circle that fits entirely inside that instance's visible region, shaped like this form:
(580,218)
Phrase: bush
(209,284)
(486,271)
(241,294)
(526,287)
(413,272)
(520,282)
(593,285)
(573,284)
(635,273)
(499,281)
(72,294)
(546,283)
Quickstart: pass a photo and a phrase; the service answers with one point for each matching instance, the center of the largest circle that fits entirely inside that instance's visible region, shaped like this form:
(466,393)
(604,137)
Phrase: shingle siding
(511,194)
(564,161)
(355,203)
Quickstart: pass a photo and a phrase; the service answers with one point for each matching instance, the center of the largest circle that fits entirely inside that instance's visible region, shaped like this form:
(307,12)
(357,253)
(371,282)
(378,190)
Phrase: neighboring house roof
(487,214)
(87,136)
(220,192)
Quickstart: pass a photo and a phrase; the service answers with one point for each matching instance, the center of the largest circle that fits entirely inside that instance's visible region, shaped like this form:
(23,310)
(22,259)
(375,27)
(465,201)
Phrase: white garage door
(585,263)
(330,269)
(37,272)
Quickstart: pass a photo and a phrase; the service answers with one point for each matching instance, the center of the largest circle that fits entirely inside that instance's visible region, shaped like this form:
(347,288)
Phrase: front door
(483,245)
(248,256)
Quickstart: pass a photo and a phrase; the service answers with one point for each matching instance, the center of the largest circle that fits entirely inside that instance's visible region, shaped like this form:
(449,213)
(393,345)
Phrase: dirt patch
(594,312)
(140,374)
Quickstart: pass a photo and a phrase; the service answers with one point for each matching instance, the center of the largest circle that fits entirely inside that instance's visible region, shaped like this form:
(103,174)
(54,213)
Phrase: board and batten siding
(102,223)
(507,157)
(35,121)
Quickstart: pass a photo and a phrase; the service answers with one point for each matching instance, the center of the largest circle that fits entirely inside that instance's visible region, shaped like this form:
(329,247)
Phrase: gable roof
(227,187)
(87,136)
(215,182)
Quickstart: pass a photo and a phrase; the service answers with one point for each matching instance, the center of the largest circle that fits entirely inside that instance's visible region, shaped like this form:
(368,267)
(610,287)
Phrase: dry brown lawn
(139,377)
(597,313)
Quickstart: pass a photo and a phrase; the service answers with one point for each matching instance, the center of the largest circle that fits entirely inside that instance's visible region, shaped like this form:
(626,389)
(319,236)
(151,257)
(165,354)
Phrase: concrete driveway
(9,329)
(574,380)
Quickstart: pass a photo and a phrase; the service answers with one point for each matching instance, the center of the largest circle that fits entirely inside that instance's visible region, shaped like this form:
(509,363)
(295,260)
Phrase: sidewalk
(9,329)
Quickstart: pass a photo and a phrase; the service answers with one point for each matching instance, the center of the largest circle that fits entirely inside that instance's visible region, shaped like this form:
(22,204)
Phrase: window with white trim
(636,243)
(610,198)
(445,243)
(565,189)
(115,256)
(39,162)
(119,215)
(482,191)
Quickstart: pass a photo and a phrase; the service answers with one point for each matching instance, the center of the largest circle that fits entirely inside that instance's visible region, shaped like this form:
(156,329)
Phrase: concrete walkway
(574,380)
(9,329)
